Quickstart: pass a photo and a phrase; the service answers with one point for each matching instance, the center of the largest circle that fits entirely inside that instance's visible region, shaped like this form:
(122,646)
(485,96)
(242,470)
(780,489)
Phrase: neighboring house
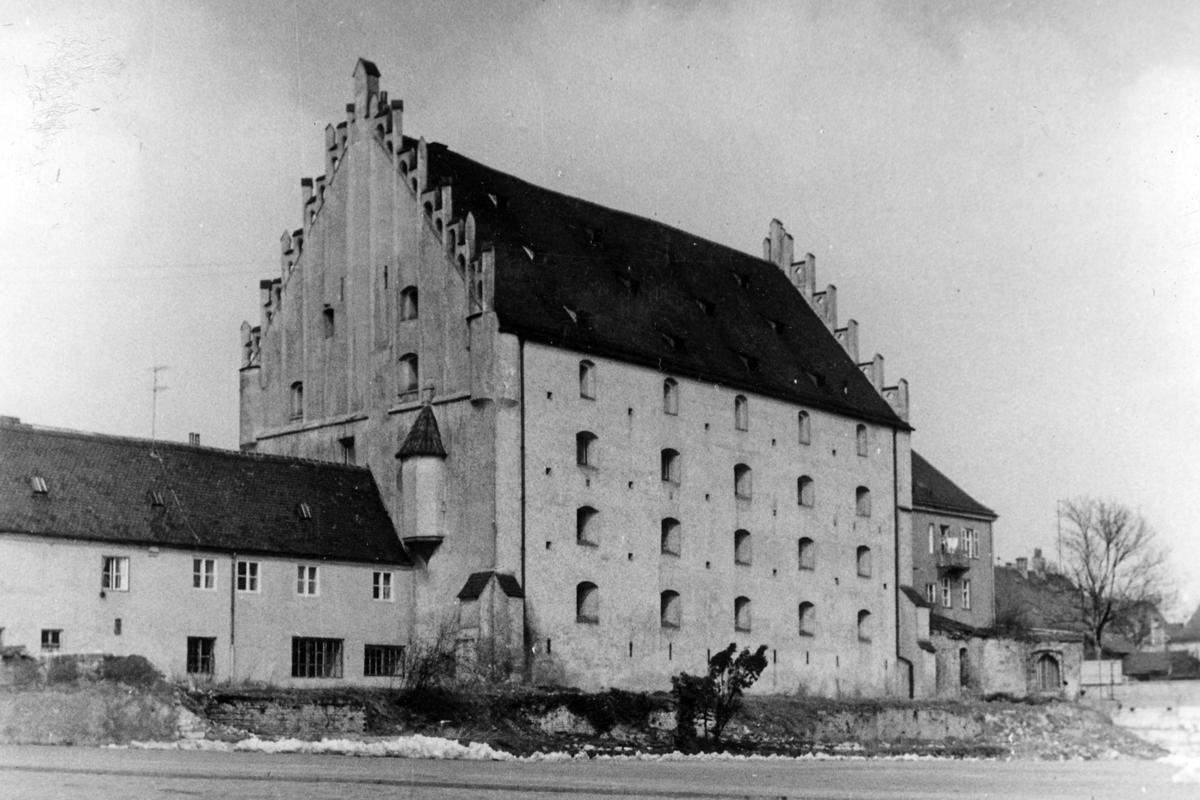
(1185,637)
(648,445)
(1031,597)
(952,548)
(1152,666)
(214,565)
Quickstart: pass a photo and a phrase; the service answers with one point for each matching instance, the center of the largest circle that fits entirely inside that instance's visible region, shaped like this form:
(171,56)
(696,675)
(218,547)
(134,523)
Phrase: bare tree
(1110,552)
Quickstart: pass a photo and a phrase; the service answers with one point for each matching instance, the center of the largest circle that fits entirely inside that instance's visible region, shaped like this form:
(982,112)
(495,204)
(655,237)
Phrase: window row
(587,611)
(408,382)
(741,408)
(670,470)
(587,533)
(945,597)
(409,307)
(115,577)
(943,539)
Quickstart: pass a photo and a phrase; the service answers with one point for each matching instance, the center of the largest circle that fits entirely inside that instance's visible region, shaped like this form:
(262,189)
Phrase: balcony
(953,562)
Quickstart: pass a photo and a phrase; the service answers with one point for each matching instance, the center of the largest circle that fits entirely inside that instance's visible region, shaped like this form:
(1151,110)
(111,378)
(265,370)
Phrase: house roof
(1043,600)
(577,275)
(423,437)
(138,492)
(916,597)
(1173,664)
(478,581)
(933,490)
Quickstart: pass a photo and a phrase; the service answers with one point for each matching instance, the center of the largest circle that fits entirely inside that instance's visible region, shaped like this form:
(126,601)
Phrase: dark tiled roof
(1174,665)
(478,581)
(918,599)
(615,284)
(1043,600)
(423,438)
(933,490)
(104,488)
(369,67)
(953,628)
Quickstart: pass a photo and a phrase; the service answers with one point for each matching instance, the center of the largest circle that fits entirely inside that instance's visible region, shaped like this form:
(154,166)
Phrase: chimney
(194,439)
(1038,563)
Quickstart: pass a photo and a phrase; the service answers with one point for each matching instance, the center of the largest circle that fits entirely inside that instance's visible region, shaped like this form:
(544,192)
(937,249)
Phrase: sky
(1007,196)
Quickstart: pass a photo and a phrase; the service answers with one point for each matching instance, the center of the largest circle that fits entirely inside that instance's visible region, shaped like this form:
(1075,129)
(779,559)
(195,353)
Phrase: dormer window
(749,362)
(708,307)
(156,498)
(303,511)
(38,484)
(743,280)
(631,285)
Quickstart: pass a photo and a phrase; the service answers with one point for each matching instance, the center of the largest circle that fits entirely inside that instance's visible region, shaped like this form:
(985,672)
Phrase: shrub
(714,698)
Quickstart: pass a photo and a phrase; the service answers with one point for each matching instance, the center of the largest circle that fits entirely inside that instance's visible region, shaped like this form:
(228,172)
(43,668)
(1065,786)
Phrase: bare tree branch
(1110,552)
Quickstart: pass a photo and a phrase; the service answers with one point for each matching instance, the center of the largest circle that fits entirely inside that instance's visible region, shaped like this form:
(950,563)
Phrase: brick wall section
(282,716)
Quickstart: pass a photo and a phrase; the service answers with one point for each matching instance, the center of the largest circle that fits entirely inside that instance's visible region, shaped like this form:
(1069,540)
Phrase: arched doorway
(1049,676)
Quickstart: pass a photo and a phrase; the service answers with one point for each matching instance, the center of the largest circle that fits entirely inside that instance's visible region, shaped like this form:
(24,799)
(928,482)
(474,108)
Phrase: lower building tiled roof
(933,490)
(138,492)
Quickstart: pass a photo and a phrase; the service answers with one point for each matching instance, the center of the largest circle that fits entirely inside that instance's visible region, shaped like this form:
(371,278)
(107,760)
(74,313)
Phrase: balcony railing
(953,561)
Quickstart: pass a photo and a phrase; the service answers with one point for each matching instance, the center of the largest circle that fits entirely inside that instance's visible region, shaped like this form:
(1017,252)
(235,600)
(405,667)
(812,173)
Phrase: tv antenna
(154,401)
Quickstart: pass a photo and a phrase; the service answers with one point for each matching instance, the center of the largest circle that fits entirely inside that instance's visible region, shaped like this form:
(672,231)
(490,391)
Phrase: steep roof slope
(109,488)
(933,490)
(575,274)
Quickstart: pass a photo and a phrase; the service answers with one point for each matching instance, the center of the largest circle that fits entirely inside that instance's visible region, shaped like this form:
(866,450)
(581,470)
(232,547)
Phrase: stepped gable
(932,489)
(137,492)
(574,274)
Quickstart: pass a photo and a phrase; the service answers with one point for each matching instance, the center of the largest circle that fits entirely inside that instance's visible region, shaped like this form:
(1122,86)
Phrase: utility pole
(154,402)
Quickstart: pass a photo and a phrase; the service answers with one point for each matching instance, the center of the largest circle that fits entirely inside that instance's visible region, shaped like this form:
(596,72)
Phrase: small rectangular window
(381,586)
(307,580)
(38,484)
(51,639)
(966,595)
(947,598)
(200,650)
(204,573)
(383,660)
(316,658)
(114,576)
(247,576)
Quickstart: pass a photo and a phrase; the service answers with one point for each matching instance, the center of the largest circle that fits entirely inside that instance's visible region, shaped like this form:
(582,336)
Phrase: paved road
(34,773)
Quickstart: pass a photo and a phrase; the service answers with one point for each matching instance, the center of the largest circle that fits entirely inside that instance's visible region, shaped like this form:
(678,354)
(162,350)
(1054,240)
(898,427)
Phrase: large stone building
(610,446)
(215,565)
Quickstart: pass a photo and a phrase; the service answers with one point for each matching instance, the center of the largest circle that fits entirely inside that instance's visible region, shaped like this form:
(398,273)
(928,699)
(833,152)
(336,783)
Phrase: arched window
(742,554)
(863,560)
(409,376)
(806,553)
(670,396)
(741,413)
(862,501)
(808,619)
(1049,676)
(743,487)
(672,535)
(804,490)
(670,466)
(585,449)
(587,380)
(864,626)
(587,603)
(741,614)
(860,439)
(587,526)
(296,401)
(670,612)
(805,427)
(410,307)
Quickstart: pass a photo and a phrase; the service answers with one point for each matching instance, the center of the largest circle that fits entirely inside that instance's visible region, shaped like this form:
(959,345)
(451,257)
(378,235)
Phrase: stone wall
(305,717)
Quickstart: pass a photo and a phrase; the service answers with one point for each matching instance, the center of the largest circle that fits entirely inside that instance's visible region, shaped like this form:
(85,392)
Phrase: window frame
(862,561)
(670,470)
(741,413)
(201,653)
(743,548)
(586,449)
(670,609)
(308,580)
(382,584)
(862,502)
(671,397)
(248,577)
(865,625)
(743,618)
(806,619)
(587,526)
(587,379)
(408,374)
(806,553)
(587,603)
(383,660)
(804,425)
(410,303)
(743,481)
(51,640)
(862,444)
(318,657)
(296,400)
(966,594)
(671,539)
(114,580)
(204,573)
(806,491)
(947,594)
